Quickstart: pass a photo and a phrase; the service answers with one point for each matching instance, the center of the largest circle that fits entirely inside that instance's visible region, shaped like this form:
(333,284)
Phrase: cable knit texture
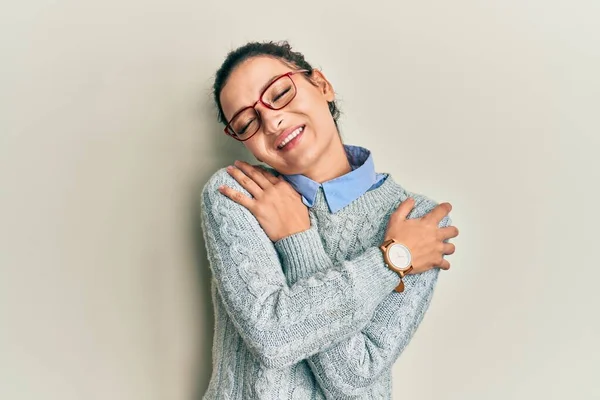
(313,315)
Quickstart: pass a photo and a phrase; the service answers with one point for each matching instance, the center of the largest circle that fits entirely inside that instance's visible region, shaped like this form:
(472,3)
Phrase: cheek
(251,144)
(315,107)
(257,145)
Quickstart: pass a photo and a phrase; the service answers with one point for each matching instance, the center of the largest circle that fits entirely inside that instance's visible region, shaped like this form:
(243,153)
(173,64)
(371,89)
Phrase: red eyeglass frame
(288,74)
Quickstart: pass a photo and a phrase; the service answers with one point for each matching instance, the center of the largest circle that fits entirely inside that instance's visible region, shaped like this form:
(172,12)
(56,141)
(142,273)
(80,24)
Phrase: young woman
(322,268)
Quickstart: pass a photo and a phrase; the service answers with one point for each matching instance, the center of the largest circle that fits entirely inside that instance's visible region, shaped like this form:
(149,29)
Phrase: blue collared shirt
(343,190)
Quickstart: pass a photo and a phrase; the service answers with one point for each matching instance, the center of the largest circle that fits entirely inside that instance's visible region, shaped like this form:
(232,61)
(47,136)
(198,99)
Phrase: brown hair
(279,50)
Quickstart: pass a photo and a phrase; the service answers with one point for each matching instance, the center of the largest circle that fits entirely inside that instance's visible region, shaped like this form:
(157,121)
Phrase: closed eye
(280,95)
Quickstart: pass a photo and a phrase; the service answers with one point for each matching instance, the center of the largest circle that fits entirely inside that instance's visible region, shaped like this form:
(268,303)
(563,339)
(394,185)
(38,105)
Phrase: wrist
(398,258)
(291,232)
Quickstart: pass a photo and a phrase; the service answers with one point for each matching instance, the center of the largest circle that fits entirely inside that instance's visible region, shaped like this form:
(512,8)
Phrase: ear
(324,86)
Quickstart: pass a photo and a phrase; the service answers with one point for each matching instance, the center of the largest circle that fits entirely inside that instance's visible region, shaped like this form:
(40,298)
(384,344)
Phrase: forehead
(247,81)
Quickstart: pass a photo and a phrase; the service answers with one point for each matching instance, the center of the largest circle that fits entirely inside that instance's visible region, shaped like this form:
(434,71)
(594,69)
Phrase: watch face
(399,255)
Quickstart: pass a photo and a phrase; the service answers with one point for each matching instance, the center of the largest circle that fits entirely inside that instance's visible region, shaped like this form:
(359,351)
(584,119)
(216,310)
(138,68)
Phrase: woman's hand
(275,204)
(422,236)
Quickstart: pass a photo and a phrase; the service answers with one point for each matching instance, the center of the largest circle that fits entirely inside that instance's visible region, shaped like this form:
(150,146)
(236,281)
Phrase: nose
(272,120)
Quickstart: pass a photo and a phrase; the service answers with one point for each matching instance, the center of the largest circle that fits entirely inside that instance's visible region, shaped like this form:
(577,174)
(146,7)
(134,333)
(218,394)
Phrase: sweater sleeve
(348,369)
(280,323)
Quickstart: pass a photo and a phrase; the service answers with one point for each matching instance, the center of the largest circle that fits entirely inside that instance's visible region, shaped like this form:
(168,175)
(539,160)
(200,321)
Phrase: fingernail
(229,167)
(237,163)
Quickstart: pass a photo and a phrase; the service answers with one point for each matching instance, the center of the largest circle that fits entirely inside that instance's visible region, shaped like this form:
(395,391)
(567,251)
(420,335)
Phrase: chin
(301,167)
(310,150)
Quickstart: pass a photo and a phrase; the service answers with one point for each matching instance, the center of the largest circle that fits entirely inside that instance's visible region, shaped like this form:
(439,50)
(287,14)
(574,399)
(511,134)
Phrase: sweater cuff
(376,281)
(302,255)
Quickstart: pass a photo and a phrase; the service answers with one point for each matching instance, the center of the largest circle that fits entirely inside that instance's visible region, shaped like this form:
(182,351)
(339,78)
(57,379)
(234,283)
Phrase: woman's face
(308,113)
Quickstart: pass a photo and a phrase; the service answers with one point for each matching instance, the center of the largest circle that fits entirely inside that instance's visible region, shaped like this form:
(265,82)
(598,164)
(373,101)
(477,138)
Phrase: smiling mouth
(290,137)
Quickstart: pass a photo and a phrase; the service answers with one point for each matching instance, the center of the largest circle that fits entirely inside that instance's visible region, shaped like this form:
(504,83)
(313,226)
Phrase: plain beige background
(107,134)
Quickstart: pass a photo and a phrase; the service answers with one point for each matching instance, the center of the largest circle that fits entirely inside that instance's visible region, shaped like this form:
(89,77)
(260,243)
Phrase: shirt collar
(343,190)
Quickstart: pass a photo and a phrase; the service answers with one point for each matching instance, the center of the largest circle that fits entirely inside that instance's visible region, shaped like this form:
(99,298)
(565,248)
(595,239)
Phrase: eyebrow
(269,82)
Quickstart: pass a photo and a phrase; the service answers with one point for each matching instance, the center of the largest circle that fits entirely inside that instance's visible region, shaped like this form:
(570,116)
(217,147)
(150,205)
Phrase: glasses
(246,122)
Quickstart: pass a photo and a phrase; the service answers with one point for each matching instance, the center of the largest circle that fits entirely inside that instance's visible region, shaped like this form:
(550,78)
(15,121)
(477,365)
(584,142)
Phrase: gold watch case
(385,247)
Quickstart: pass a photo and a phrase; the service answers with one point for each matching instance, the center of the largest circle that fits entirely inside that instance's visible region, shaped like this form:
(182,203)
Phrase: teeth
(290,137)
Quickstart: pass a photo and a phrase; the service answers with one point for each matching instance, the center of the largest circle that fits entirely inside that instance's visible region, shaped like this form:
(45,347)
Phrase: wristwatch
(398,258)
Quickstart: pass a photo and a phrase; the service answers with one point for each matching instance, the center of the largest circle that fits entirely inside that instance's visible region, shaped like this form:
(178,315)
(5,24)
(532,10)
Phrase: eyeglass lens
(277,95)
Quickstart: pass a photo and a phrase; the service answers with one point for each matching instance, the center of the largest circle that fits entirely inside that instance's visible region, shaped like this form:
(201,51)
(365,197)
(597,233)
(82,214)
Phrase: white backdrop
(107,134)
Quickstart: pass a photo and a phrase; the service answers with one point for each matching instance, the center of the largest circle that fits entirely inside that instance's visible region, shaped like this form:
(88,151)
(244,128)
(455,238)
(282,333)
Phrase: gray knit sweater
(313,315)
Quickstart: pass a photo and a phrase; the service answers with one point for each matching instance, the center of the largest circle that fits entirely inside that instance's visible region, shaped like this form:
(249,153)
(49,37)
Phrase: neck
(334,165)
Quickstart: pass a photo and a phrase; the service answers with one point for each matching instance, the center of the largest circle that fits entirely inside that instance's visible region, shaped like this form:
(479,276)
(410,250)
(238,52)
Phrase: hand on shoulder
(272,200)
